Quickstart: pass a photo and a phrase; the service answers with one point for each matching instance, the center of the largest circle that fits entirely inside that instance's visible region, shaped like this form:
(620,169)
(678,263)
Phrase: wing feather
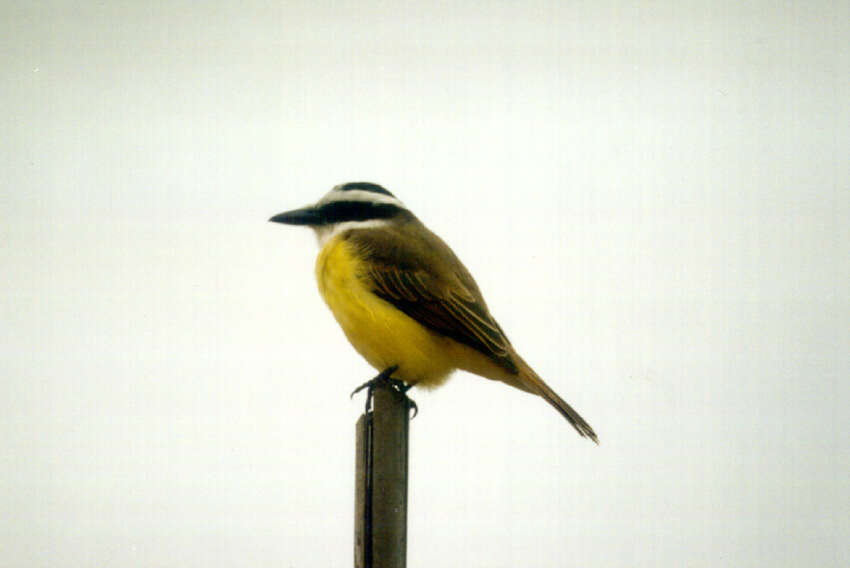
(440,295)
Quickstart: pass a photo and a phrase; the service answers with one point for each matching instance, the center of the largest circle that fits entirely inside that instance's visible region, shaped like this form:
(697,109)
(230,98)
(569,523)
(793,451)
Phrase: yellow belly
(382,334)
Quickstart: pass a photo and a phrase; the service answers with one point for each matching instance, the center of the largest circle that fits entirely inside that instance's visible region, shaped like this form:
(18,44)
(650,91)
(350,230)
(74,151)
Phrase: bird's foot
(385,378)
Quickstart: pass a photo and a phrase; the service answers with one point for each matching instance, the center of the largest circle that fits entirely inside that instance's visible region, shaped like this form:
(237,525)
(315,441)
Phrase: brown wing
(421,276)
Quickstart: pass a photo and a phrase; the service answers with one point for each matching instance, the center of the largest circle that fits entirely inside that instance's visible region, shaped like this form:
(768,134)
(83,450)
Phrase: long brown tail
(535,384)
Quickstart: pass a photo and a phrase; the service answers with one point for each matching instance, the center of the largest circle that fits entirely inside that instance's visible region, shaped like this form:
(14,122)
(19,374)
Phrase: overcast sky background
(654,200)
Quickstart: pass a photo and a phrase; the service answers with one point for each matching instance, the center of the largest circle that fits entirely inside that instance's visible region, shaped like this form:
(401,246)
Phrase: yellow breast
(380,332)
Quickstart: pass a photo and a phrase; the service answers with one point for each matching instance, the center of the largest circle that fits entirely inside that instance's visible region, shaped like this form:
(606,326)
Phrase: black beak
(305,216)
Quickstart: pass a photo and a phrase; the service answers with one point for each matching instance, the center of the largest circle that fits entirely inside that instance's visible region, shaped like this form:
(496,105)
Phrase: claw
(385,376)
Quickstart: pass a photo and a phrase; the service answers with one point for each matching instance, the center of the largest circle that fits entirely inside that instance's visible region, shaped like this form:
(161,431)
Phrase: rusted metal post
(380,503)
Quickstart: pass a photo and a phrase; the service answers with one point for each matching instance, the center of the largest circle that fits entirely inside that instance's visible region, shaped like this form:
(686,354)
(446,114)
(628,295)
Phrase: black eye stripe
(365,186)
(341,211)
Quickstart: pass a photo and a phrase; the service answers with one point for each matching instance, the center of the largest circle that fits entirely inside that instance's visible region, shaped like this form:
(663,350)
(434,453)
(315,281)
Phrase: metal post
(380,504)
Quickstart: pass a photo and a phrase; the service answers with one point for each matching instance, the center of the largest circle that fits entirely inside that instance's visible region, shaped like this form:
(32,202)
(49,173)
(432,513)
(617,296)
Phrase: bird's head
(347,206)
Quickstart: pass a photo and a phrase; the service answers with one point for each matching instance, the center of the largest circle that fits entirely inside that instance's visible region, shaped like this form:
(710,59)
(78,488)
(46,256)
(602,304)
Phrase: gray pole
(380,503)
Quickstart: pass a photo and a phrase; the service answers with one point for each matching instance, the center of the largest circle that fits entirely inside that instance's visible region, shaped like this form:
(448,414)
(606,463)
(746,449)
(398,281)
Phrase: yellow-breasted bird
(403,298)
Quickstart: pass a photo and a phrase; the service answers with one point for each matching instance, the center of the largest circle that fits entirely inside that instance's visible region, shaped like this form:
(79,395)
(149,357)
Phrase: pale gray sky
(653,198)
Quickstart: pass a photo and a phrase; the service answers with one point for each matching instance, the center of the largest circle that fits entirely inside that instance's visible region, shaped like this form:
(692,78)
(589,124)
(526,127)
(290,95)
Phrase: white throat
(327,232)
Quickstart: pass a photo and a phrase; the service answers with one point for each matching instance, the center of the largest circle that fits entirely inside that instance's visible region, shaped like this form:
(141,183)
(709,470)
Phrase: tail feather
(535,384)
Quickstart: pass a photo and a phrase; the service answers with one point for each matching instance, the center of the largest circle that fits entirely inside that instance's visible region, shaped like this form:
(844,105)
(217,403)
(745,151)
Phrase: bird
(405,301)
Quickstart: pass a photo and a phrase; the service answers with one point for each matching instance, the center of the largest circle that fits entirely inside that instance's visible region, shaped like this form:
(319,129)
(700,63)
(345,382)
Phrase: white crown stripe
(361,196)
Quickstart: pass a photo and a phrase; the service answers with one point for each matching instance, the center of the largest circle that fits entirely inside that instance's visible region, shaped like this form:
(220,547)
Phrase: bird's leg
(385,377)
